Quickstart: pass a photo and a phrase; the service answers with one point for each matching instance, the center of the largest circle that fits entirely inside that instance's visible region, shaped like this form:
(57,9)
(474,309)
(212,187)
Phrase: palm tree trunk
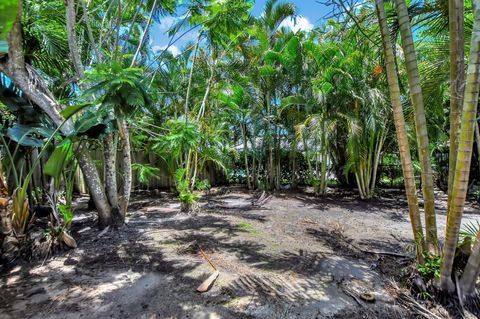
(95,186)
(110,175)
(190,77)
(72,38)
(142,39)
(90,32)
(420,124)
(127,171)
(245,154)
(376,160)
(201,112)
(472,271)
(402,138)
(462,166)
(457,82)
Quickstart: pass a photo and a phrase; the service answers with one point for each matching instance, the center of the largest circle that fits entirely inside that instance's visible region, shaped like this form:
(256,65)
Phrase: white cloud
(167,22)
(173,49)
(301,23)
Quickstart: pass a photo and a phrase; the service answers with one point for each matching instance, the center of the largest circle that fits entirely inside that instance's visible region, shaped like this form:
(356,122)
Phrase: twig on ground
(408,302)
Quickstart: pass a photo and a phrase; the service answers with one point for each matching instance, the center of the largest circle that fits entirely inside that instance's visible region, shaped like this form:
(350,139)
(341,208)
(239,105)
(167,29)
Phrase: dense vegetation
(378,87)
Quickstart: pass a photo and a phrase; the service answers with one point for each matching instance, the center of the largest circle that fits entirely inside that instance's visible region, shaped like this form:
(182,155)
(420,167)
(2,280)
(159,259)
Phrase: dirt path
(294,257)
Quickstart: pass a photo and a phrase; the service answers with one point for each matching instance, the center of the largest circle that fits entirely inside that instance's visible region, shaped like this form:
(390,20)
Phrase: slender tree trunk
(462,168)
(72,38)
(376,161)
(90,32)
(420,124)
(457,82)
(245,154)
(190,77)
(110,175)
(294,163)
(142,39)
(402,138)
(127,169)
(468,281)
(33,89)
(201,112)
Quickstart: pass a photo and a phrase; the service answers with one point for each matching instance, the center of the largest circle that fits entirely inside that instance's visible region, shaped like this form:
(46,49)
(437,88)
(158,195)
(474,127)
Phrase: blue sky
(310,14)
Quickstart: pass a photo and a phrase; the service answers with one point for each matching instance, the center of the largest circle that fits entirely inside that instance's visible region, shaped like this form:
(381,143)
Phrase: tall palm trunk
(190,77)
(110,162)
(462,167)
(72,38)
(145,31)
(420,124)
(245,154)
(127,170)
(33,89)
(457,82)
(402,138)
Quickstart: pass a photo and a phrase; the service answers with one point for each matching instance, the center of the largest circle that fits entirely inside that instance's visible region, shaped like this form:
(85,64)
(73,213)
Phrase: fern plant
(145,172)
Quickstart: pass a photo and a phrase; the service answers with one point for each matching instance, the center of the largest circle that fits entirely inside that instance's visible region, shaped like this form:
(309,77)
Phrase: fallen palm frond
(408,302)
(208,283)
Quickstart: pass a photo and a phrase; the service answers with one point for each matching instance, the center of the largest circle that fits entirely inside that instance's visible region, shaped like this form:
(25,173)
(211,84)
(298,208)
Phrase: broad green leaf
(56,162)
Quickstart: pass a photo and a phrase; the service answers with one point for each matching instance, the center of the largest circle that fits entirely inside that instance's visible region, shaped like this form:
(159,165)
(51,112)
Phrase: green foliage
(67,214)
(185,195)
(8,10)
(117,88)
(430,269)
(203,185)
(145,172)
(470,230)
(60,156)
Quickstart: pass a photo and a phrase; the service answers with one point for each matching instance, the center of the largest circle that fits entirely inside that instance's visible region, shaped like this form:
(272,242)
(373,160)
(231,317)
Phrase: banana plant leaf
(32,136)
(94,125)
(56,162)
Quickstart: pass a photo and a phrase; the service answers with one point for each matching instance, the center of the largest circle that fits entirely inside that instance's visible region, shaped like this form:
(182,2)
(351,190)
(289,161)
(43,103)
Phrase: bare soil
(291,255)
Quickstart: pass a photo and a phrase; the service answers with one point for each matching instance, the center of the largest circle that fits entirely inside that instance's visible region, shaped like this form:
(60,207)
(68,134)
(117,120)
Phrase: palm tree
(122,91)
(402,138)
(462,171)
(457,80)
(420,124)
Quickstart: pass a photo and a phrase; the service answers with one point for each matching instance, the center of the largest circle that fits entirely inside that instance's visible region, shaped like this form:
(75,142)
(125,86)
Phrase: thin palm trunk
(110,175)
(190,77)
(145,31)
(457,82)
(90,32)
(420,124)
(72,38)
(203,106)
(462,168)
(402,138)
(245,154)
(127,171)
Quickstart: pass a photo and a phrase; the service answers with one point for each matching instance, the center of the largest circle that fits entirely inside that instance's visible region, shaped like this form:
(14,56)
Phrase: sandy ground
(295,256)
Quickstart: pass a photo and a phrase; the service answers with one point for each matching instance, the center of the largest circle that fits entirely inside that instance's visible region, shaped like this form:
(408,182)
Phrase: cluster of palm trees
(250,92)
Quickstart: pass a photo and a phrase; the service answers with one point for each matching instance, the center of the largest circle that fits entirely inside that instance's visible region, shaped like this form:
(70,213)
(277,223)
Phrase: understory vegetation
(379,95)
